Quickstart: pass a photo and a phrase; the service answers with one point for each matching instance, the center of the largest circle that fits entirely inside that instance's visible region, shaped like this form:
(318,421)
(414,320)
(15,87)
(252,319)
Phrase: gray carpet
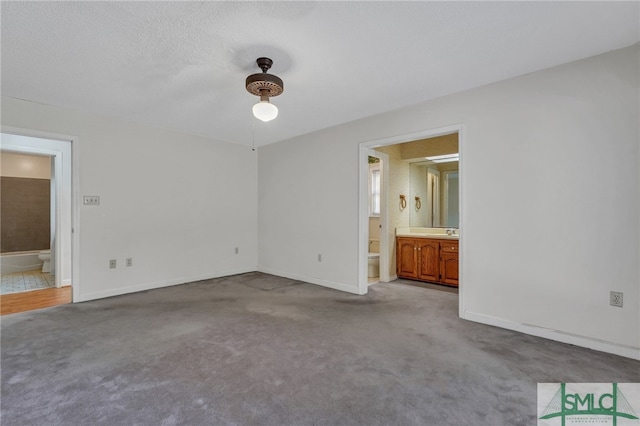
(255,349)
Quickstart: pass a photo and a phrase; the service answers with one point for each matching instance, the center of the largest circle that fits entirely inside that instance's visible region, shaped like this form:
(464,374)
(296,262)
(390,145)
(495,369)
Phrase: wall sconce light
(418,203)
(403,202)
(264,85)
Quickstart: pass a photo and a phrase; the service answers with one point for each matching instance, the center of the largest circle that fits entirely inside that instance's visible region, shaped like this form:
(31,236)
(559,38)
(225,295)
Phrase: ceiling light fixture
(446,158)
(264,85)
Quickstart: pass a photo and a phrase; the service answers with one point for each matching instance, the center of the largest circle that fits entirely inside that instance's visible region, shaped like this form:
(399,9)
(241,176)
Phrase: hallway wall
(177,204)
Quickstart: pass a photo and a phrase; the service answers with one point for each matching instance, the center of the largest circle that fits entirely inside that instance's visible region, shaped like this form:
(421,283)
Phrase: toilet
(45,256)
(374,259)
(374,265)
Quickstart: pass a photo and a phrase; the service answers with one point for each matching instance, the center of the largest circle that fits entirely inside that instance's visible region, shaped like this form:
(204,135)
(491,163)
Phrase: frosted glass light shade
(265,111)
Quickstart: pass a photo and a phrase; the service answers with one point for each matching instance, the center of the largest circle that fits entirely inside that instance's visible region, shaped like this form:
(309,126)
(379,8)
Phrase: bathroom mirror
(433,200)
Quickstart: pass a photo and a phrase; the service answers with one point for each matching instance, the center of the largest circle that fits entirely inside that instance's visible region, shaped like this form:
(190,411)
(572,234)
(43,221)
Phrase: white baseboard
(330,284)
(65,283)
(159,284)
(558,336)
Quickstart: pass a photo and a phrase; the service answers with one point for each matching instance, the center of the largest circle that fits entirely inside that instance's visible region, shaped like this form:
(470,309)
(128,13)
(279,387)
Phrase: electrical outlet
(615,298)
(319,257)
(129,261)
(237,250)
(91,200)
(112,264)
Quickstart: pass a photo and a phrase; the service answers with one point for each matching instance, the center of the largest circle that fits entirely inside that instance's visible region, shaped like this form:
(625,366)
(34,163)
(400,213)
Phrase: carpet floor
(255,349)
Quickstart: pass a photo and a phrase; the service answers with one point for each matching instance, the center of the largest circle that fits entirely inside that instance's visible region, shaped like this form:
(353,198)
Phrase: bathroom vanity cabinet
(427,259)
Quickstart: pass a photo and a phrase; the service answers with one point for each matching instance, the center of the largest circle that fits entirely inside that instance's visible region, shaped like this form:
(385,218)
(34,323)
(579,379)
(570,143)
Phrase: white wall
(301,210)
(177,204)
(25,166)
(543,138)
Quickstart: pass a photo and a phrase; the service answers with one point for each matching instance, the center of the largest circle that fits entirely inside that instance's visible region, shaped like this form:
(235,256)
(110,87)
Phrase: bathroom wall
(25,166)
(541,138)
(438,145)
(418,188)
(399,177)
(374,230)
(25,202)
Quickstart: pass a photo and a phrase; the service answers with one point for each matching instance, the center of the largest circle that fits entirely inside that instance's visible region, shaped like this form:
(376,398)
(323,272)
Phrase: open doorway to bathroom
(35,223)
(424,196)
(375,203)
(27,210)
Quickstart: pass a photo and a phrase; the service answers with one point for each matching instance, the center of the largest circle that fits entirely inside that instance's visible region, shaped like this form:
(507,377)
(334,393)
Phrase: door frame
(61,158)
(365,149)
(364,210)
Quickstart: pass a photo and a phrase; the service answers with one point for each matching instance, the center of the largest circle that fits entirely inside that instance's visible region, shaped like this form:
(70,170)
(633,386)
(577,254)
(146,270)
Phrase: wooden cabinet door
(407,258)
(449,268)
(429,259)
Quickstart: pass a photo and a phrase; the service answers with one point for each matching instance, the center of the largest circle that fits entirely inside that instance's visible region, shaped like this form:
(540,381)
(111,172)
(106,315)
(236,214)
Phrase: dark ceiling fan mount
(264,84)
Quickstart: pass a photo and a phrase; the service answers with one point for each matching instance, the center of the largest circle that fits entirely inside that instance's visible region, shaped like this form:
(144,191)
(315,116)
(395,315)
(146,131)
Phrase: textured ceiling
(182,65)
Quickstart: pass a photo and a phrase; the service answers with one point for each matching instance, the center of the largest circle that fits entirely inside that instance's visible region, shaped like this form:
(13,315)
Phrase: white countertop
(427,233)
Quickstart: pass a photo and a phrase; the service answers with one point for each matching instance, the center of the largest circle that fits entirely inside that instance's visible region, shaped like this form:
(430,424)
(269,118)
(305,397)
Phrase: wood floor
(36,299)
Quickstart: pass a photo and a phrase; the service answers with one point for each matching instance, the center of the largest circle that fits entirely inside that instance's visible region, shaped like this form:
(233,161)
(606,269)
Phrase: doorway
(375,218)
(59,154)
(387,244)
(27,222)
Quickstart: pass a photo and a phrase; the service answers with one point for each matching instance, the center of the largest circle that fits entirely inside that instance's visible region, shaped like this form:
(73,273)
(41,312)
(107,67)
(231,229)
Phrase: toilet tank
(374,246)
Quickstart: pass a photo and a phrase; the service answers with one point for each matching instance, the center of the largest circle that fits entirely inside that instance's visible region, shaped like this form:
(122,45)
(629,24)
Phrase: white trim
(558,336)
(363,225)
(310,280)
(384,219)
(158,284)
(462,250)
(365,148)
(58,161)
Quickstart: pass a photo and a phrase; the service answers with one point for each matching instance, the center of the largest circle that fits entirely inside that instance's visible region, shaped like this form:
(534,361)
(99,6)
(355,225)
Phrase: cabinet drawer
(449,247)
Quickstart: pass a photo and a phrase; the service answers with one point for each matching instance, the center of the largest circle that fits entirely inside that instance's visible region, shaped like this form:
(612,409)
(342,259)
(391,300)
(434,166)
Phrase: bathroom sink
(427,235)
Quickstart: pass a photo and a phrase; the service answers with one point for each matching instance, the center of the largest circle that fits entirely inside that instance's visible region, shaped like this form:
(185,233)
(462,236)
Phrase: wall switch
(237,250)
(319,257)
(91,200)
(129,261)
(112,264)
(615,298)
